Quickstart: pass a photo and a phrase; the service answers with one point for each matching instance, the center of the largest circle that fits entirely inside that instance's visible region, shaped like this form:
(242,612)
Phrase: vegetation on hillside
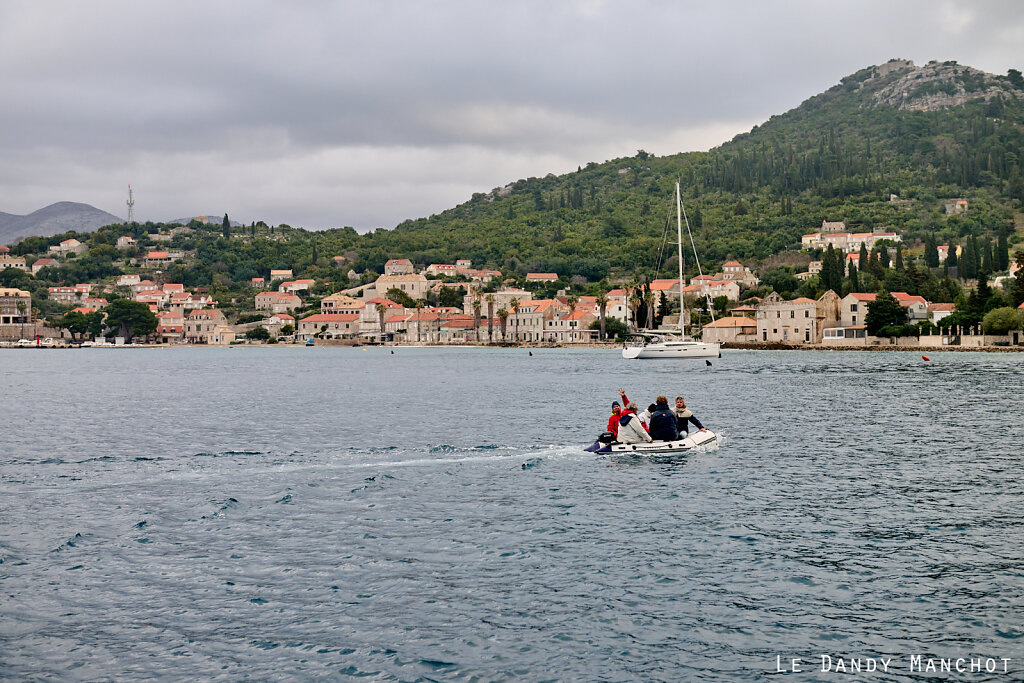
(839,156)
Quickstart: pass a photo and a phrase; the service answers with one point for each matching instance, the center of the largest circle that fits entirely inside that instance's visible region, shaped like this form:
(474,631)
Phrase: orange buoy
(926,357)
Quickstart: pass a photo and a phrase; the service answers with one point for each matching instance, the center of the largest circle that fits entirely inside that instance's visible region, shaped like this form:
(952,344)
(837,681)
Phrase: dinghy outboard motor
(602,443)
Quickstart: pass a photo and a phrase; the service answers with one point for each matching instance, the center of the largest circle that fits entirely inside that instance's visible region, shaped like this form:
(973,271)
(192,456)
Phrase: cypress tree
(931,251)
(1003,250)
(883,258)
(899,257)
(986,255)
(226,226)
(854,279)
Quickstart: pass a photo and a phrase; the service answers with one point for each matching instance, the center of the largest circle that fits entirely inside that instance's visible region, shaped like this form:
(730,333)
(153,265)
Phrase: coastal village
(481,306)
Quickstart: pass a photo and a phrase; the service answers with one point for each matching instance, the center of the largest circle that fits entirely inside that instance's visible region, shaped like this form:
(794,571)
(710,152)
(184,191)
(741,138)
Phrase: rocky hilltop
(54,220)
(937,85)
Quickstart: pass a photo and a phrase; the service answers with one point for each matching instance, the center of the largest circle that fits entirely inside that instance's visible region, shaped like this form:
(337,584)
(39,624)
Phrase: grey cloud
(329,111)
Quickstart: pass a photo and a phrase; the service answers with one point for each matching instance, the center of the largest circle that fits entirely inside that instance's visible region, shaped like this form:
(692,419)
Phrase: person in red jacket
(613,421)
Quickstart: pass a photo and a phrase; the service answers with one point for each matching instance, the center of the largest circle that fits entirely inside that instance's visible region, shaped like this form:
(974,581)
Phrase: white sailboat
(645,345)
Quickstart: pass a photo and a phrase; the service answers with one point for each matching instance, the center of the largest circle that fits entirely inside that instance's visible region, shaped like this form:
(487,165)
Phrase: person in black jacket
(663,421)
(683,416)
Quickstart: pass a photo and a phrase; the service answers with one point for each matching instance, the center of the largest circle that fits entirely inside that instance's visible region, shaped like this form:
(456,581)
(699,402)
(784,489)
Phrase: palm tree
(634,305)
(602,306)
(476,317)
(503,316)
(490,318)
(571,302)
(381,310)
(22,307)
(514,303)
(649,300)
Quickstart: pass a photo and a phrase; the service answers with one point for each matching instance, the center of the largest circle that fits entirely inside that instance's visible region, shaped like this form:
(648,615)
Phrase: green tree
(381,312)
(931,251)
(74,322)
(614,328)
(400,297)
(287,330)
(884,311)
(503,317)
(130,318)
(258,333)
(477,305)
(1002,320)
(1014,76)
(226,227)
(490,318)
(602,310)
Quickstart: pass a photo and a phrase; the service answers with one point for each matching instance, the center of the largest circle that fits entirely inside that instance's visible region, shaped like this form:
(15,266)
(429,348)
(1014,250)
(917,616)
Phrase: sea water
(429,514)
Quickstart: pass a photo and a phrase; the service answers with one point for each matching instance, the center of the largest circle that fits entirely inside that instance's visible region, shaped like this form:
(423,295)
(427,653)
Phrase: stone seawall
(779,346)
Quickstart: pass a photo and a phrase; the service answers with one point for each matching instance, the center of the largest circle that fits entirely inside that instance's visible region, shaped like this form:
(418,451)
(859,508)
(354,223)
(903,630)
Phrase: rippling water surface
(429,514)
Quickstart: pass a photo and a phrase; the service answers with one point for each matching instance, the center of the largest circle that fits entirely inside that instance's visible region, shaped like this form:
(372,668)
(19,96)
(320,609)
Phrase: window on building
(792,314)
(807,314)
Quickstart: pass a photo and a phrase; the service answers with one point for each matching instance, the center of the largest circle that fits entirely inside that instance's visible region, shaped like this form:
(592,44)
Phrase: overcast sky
(325,114)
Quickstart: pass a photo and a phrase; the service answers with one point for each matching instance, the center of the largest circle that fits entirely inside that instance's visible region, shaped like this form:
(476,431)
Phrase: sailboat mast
(679,244)
(696,258)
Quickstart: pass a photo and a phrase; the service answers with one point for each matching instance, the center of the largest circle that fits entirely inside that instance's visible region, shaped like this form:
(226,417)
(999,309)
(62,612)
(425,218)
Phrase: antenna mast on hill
(131,205)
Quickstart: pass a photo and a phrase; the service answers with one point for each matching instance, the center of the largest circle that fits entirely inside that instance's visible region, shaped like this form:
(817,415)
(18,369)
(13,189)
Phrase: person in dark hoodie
(684,416)
(663,421)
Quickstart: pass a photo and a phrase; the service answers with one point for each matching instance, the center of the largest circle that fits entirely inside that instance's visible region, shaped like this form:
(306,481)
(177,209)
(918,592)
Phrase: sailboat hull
(679,349)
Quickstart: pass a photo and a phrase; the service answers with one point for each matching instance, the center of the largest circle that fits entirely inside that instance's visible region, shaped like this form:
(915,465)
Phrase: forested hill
(926,134)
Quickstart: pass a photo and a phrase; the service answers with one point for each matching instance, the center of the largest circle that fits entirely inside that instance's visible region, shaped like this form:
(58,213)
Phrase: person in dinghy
(666,433)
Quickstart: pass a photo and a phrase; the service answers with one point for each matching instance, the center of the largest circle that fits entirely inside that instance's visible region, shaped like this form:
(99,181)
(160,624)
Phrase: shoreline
(726,346)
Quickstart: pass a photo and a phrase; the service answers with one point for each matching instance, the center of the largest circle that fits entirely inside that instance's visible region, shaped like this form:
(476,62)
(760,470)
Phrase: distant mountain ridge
(53,220)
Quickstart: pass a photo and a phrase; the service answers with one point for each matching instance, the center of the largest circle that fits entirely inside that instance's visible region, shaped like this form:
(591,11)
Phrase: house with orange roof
(172,287)
(201,325)
(398,266)
(277,302)
(65,295)
(39,264)
(188,301)
(333,325)
(369,318)
(854,307)
(15,262)
(530,323)
(68,246)
(153,296)
(713,288)
(281,274)
(84,310)
(800,321)
(415,285)
(341,303)
(143,286)
(257,283)
(440,269)
(125,242)
(128,280)
(157,258)
(296,286)
(570,326)
(937,312)
(730,329)
(96,302)
(917,307)
(737,272)
(541,277)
